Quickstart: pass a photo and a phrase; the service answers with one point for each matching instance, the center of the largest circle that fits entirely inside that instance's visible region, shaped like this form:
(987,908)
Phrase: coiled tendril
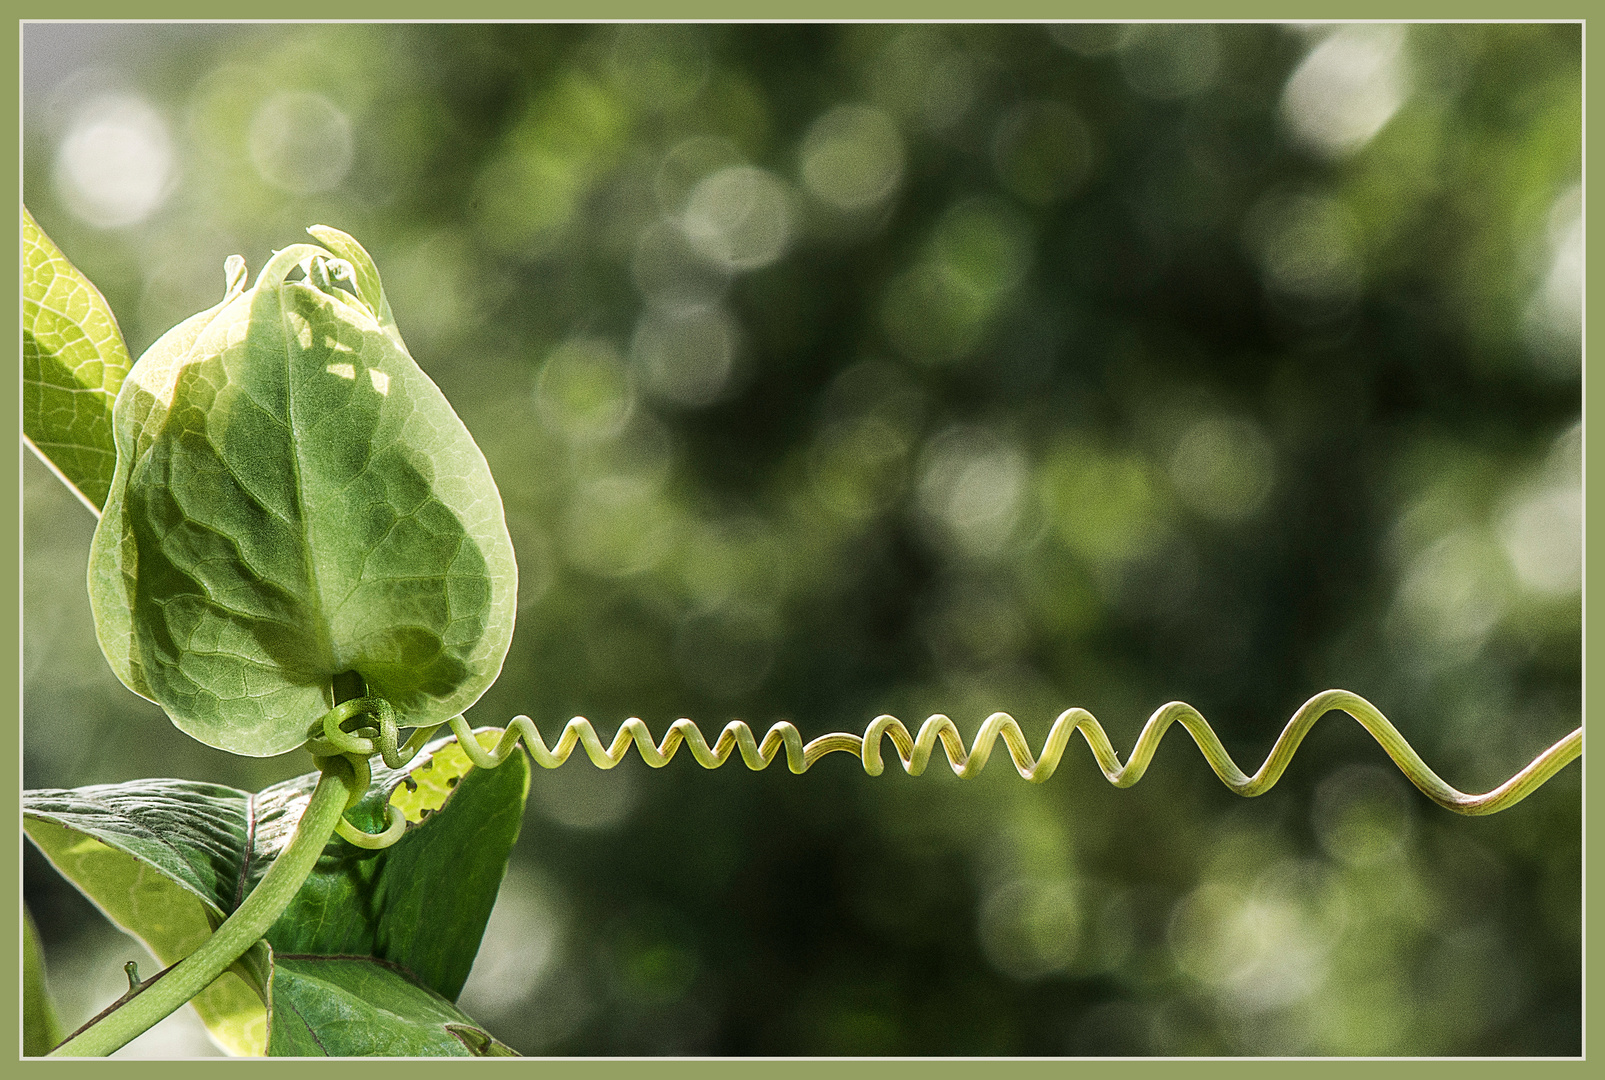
(356,730)
(336,735)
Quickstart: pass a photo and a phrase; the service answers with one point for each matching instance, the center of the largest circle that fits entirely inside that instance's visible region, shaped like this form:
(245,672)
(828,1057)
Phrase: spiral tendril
(915,751)
(368,725)
(343,733)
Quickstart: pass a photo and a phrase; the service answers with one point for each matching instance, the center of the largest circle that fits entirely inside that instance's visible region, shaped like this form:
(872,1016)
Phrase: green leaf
(73,362)
(162,859)
(41,1030)
(360,1007)
(167,860)
(423,902)
(294,500)
(192,833)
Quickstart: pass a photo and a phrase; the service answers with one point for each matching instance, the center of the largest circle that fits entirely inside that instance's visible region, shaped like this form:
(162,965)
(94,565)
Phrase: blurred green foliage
(835,370)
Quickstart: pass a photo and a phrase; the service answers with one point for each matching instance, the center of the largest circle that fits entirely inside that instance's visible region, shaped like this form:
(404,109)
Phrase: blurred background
(836,370)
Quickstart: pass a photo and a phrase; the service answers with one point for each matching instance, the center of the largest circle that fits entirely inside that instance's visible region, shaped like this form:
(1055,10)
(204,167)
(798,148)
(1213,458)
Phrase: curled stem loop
(355,730)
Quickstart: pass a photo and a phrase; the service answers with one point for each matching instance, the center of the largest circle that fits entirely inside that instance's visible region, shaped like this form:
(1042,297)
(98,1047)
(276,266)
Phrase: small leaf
(369,287)
(326,1006)
(480,1042)
(294,500)
(41,1030)
(432,777)
(73,363)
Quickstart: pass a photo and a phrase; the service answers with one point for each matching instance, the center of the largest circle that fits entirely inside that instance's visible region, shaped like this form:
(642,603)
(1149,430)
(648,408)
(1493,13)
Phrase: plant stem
(239,931)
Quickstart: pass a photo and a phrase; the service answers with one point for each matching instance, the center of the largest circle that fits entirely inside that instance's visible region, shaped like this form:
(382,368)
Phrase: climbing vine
(300,545)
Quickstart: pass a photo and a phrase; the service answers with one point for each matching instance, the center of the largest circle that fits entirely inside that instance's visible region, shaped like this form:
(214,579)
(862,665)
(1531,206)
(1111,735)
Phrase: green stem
(239,931)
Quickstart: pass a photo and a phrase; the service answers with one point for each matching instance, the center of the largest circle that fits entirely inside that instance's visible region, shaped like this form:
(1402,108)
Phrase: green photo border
(812,10)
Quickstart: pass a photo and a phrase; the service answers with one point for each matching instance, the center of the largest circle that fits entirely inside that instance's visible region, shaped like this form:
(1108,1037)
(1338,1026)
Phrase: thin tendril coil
(333,735)
(342,733)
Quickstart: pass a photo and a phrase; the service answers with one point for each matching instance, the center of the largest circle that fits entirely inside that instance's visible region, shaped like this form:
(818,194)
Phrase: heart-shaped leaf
(73,362)
(294,500)
(168,860)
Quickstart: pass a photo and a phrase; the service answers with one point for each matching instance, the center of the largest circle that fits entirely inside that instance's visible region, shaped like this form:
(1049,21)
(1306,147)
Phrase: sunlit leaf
(295,499)
(73,362)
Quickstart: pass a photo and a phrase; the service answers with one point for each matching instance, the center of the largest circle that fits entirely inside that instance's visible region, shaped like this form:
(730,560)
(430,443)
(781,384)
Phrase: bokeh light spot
(115,166)
(584,391)
(661,67)
(1042,152)
(1453,595)
(938,310)
(739,218)
(1347,88)
(1105,505)
(1307,248)
(1542,526)
(924,79)
(1170,60)
(671,274)
(518,950)
(857,467)
(973,484)
(1263,946)
(852,157)
(1553,324)
(1031,928)
(686,165)
(617,527)
(685,358)
(581,796)
(1361,815)
(301,142)
(1223,467)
